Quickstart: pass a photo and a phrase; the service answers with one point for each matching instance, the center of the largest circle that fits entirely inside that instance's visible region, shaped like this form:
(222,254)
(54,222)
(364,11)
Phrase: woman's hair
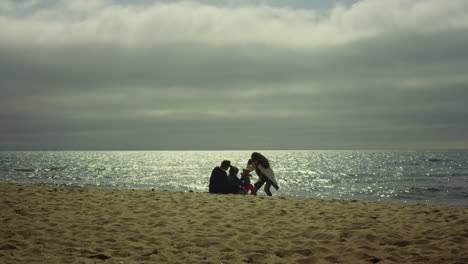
(261,159)
(233,171)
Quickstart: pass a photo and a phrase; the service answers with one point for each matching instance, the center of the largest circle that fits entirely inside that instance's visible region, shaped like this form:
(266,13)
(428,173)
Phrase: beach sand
(43,224)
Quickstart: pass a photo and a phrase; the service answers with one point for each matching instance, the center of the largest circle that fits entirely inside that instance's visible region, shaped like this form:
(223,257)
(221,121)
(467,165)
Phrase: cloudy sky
(250,75)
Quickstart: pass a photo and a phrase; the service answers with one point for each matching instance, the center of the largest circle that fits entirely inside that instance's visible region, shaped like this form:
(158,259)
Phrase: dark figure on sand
(218,178)
(236,186)
(261,166)
(245,178)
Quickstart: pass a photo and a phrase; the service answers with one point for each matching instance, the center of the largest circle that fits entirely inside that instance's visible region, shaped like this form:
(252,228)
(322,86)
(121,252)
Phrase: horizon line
(136,150)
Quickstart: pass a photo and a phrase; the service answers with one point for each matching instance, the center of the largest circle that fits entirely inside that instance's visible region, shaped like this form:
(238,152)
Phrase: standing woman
(261,166)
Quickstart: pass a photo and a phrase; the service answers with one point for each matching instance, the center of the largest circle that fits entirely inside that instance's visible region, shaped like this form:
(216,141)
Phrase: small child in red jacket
(245,178)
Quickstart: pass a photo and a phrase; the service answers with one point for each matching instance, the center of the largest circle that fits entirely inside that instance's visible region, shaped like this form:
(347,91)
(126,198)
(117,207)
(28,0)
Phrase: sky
(233,75)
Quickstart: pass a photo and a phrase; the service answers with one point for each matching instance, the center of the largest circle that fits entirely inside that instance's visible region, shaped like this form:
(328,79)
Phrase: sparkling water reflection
(435,177)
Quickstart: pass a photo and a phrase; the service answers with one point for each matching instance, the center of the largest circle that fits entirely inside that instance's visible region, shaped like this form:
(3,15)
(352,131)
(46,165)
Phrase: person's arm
(251,167)
(235,181)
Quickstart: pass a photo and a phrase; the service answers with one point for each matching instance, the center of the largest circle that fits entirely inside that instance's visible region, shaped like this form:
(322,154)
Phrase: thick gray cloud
(232,75)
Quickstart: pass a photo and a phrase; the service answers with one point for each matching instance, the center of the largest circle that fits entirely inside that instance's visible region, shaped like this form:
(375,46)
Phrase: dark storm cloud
(194,76)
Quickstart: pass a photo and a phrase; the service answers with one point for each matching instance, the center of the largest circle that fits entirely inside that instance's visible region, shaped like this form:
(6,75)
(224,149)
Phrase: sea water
(427,177)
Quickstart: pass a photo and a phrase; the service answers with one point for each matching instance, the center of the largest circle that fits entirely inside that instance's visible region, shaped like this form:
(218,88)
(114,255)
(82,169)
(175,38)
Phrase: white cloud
(71,22)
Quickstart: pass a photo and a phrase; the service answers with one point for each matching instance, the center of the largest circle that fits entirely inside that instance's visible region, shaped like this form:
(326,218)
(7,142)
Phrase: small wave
(57,168)
(39,169)
(462,195)
(458,174)
(428,190)
(419,190)
(334,180)
(435,160)
(23,170)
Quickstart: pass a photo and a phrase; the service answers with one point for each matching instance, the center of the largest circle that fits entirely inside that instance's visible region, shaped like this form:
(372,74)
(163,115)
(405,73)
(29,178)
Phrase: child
(236,186)
(245,178)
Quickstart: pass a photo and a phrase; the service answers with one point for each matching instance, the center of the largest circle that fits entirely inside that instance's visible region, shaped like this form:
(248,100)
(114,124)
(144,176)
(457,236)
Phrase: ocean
(424,177)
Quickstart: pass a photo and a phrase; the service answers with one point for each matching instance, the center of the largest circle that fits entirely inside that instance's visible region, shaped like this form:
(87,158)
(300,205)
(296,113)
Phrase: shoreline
(47,224)
(261,193)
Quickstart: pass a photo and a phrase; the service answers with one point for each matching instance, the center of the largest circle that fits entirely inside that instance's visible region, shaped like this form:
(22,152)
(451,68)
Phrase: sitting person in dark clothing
(236,186)
(218,178)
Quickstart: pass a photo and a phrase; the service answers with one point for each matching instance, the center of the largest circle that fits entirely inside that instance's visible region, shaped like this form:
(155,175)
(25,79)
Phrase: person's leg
(259,184)
(251,189)
(267,189)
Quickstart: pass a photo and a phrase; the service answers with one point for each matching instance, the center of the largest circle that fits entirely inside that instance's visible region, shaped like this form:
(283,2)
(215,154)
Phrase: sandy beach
(43,224)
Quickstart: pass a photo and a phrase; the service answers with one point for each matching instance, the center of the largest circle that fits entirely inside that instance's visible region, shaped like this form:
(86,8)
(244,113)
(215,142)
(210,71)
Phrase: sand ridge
(43,224)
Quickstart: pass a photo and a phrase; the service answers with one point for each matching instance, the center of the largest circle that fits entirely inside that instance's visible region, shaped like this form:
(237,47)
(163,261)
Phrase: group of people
(223,183)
